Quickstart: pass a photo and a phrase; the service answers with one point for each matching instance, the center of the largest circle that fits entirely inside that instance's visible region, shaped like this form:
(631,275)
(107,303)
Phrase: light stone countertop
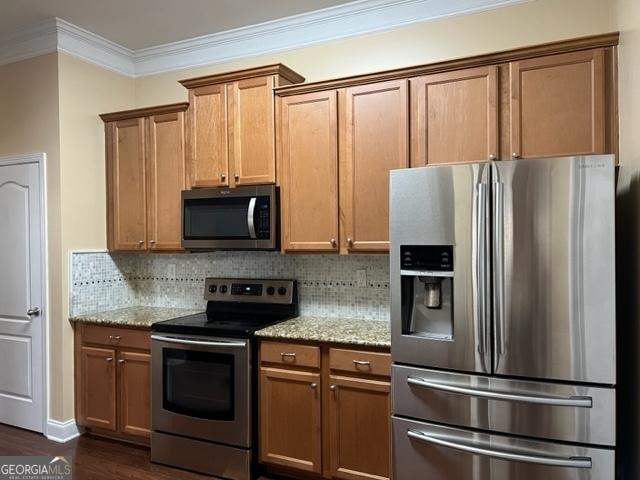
(373,333)
(138,316)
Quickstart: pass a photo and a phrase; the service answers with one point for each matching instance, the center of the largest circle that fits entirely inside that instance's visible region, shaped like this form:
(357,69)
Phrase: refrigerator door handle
(480,266)
(498,256)
(518,456)
(579,402)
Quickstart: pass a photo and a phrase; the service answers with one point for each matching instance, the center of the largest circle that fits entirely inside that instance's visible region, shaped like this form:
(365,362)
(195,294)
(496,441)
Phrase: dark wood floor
(93,458)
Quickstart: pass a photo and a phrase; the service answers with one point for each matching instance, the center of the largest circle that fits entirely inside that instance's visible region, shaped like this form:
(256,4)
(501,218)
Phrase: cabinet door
(251,121)
(454,116)
(98,384)
(290,425)
(166,178)
(359,422)
(208,154)
(374,137)
(309,182)
(557,105)
(126,185)
(134,385)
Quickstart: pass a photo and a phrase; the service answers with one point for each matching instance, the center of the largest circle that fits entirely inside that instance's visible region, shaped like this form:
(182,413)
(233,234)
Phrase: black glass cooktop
(224,324)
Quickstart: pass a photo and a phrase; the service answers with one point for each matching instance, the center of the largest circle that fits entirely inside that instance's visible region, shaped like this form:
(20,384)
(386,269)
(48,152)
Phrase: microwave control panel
(262,218)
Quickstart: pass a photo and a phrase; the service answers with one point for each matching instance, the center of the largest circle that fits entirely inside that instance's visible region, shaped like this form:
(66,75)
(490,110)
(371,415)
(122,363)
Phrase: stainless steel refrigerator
(503,320)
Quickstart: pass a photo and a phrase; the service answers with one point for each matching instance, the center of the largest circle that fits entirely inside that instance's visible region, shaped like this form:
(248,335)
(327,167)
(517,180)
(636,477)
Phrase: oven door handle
(183,341)
(250,213)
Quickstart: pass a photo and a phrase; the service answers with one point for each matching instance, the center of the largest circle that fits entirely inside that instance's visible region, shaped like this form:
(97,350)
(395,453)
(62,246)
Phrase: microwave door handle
(250,213)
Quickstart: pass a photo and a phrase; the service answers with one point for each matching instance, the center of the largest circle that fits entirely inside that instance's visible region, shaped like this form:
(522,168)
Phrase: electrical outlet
(361,278)
(171,270)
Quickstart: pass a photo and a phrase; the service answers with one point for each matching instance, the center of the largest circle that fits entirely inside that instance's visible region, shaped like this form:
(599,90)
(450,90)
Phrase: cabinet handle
(114,337)
(333,242)
(109,359)
(362,362)
(121,361)
(287,355)
(223,177)
(515,155)
(350,242)
(492,157)
(314,385)
(333,388)
(237,177)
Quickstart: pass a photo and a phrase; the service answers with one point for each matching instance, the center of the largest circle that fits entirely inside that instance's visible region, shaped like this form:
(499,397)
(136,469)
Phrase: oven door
(201,388)
(243,218)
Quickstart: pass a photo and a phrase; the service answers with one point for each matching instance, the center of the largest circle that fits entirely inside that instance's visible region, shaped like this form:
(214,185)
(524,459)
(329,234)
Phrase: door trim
(40,159)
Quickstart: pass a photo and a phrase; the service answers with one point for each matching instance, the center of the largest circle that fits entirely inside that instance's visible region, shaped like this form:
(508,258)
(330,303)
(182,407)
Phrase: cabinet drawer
(290,354)
(356,361)
(117,337)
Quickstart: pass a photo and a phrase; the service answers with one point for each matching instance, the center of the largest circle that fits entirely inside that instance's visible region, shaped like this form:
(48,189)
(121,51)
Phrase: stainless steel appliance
(503,320)
(242,218)
(204,379)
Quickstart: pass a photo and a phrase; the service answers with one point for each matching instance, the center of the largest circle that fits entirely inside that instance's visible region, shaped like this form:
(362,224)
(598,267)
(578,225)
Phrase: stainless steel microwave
(243,218)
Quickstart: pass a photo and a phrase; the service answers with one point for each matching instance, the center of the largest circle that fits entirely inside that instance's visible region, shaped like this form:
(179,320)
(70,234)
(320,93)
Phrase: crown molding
(342,21)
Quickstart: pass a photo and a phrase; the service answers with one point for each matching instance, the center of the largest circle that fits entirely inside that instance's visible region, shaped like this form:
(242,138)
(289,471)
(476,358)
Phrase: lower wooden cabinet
(98,393)
(359,428)
(290,421)
(113,381)
(329,417)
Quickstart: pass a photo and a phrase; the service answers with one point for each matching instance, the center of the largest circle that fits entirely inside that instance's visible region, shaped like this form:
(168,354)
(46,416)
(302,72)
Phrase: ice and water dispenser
(427,290)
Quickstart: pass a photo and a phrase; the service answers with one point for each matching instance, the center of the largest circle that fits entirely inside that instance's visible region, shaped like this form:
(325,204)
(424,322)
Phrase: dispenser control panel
(437,258)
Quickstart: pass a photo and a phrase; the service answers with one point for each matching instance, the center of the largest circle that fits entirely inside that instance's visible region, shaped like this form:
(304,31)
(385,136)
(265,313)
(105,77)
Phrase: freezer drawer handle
(583,402)
(572,462)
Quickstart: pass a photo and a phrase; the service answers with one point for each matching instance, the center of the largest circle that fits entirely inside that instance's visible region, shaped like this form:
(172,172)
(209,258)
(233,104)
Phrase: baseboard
(62,432)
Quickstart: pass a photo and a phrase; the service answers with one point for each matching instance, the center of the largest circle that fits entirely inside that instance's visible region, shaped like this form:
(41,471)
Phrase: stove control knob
(282,291)
(223,289)
(271,290)
(212,288)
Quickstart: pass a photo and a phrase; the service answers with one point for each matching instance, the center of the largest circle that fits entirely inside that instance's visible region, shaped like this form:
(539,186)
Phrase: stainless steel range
(504,321)
(204,379)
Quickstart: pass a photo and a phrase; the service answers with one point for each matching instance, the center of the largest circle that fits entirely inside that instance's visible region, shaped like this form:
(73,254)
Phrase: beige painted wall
(29,123)
(527,24)
(85,90)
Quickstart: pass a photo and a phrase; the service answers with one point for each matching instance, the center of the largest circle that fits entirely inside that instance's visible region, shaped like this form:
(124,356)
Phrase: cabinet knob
(333,242)
(152,242)
(237,177)
(350,242)
(492,157)
(515,155)
(121,361)
(314,385)
(333,388)
(109,359)
(140,242)
(223,176)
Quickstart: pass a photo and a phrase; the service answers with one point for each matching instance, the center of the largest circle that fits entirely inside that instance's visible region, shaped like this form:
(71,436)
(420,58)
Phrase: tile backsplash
(328,284)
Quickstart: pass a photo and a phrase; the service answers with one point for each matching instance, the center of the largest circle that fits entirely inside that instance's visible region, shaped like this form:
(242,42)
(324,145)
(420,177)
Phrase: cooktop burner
(238,308)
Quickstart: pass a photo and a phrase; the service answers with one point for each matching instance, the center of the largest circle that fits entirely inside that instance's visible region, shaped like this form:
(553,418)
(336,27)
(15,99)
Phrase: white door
(21,296)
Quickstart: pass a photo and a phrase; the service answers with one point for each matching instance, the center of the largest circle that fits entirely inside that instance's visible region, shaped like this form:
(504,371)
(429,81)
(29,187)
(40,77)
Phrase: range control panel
(249,290)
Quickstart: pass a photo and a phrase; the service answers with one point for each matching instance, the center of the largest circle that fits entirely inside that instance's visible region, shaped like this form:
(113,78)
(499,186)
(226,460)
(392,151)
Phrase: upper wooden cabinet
(454,116)
(558,105)
(357,135)
(231,126)
(309,175)
(374,139)
(146,172)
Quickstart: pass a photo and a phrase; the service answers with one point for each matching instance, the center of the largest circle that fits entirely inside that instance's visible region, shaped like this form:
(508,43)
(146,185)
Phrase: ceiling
(139,24)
